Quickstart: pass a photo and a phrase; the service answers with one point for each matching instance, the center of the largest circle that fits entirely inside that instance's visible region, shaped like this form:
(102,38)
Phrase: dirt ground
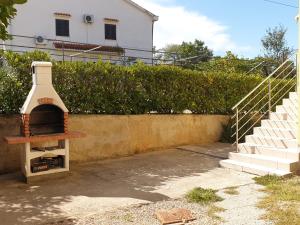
(95,188)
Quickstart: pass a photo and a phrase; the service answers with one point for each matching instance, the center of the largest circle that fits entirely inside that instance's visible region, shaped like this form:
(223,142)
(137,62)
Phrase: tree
(188,53)
(7,12)
(275,45)
(196,50)
(167,54)
(231,63)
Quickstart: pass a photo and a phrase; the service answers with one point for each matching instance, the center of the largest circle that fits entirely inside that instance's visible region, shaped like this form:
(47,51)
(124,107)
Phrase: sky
(235,25)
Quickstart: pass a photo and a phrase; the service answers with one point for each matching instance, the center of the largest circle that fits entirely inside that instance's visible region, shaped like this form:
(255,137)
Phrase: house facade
(79,29)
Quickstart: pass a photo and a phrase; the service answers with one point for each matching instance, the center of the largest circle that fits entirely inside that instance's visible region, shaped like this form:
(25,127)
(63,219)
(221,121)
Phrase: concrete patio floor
(110,184)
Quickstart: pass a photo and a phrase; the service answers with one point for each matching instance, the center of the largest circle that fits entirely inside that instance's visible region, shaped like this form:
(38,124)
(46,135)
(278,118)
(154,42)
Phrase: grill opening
(46,119)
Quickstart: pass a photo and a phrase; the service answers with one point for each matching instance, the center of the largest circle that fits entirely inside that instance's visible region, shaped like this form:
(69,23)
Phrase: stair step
(253,169)
(290,102)
(293,95)
(292,110)
(266,161)
(275,132)
(289,154)
(282,116)
(279,124)
(273,148)
(271,141)
(293,98)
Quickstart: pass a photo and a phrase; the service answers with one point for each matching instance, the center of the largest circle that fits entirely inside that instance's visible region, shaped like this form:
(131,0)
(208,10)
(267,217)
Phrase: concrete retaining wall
(116,136)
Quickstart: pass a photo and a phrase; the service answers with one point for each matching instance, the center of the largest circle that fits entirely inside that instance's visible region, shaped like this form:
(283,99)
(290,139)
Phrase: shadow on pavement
(135,177)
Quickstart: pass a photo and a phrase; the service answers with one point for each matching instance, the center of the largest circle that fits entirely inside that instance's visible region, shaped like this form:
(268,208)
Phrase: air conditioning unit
(89,19)
(40,40)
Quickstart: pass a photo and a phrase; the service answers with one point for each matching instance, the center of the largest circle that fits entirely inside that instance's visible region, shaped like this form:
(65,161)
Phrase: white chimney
(42,91)
(41,73)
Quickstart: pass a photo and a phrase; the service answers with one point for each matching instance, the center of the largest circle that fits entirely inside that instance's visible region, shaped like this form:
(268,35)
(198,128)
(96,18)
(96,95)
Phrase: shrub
(11,94)
(103,88)
(246,123)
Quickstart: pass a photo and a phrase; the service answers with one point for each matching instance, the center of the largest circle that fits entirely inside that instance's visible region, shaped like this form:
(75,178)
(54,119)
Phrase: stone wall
(117,136)
(9,154)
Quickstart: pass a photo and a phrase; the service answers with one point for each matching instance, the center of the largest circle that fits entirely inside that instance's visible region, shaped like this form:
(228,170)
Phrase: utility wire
(281,3)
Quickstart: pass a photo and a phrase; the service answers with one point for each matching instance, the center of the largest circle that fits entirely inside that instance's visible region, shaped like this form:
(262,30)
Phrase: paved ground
(96,188)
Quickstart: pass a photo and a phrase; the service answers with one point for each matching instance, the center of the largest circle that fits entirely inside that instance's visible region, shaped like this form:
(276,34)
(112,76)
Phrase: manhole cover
(174,216)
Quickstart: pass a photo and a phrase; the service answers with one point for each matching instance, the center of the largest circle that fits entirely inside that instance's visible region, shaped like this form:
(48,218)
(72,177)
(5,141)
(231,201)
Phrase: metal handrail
(254,68)
(258,86)
(241,136)
(258,111)
(263,89)
(267,96)
(259,94)
(281,74)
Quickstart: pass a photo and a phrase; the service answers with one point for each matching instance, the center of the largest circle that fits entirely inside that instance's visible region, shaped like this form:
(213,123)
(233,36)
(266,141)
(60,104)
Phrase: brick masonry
(66,119)
(25,125)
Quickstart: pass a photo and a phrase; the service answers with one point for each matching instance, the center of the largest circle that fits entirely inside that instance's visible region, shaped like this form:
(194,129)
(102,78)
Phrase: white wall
(36,17)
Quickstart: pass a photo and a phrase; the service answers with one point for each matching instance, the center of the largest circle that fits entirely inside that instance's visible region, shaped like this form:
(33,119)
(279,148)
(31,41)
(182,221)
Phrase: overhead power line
(281,3)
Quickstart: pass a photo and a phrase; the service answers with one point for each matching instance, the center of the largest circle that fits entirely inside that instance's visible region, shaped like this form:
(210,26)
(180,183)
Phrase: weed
(213,211)
(231,191)
(268,180)
(128,218)
(203,196)
(283,201)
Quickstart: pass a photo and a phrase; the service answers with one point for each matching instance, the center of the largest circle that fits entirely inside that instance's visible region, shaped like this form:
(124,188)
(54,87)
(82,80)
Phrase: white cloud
(177,24)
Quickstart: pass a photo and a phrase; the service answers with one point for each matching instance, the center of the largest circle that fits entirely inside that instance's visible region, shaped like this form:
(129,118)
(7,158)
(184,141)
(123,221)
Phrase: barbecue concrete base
(48,177)
(107,185)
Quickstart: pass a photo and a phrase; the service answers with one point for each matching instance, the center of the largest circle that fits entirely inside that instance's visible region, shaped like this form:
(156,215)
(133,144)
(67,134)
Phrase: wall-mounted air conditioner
(41,40)
(88,19)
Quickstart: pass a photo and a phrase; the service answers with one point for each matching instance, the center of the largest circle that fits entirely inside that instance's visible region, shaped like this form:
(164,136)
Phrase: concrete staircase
(272,149)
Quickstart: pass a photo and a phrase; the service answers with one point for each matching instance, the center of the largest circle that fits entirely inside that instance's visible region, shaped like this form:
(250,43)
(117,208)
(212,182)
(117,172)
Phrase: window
(62,27)
(110,32)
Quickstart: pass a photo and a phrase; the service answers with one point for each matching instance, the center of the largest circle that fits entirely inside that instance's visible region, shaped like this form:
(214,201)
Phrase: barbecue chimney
(42,90)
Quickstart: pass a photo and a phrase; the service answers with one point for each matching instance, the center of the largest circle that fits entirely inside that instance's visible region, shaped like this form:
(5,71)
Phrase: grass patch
(213,211)
(268,180)
(231,191)
(203,196)
(283,201)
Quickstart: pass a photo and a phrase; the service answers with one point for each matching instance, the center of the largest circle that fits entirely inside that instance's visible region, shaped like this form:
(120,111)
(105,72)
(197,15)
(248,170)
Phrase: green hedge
(103,88)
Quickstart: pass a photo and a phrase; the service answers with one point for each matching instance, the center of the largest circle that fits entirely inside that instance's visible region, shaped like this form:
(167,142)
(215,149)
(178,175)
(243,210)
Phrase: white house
(112,28)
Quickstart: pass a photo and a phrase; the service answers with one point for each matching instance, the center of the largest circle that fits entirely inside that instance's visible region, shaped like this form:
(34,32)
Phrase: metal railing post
(153,54)
(298,75)
(63,51)
(298,89)
(270,97)
(237,129)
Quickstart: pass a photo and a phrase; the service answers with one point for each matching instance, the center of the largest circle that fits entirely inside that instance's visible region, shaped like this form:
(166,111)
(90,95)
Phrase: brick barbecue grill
(44,127)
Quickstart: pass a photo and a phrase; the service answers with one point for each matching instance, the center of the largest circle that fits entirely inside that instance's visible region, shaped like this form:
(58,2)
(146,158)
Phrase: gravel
(144,214)
(239,209)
